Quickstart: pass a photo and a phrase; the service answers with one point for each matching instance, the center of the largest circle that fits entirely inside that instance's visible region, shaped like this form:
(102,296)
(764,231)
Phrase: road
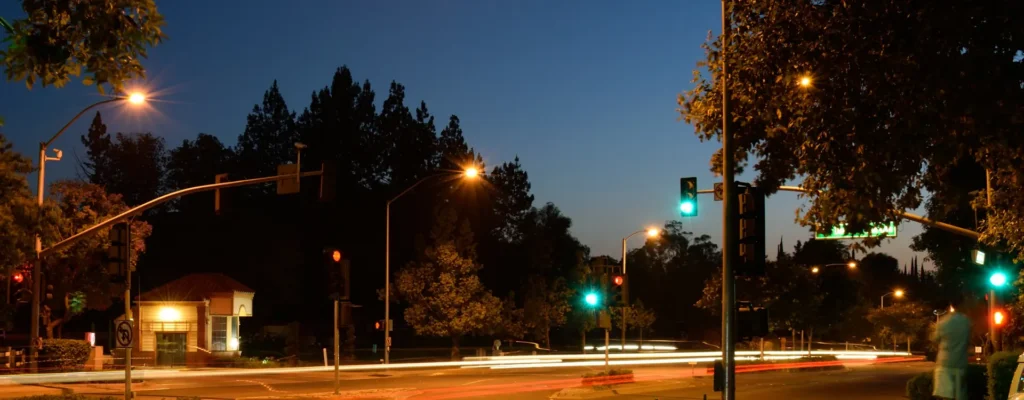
(863,382)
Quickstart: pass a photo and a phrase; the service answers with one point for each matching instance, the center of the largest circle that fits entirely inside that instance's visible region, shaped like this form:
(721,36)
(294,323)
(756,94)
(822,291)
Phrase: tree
(269,138)
(58,39)
(18,213)
(442,290)
(886,114)
(546,306)
(903,320)
(513,202)
(98,145)
(132,165)
(197,162)
(77,273)
(638,317)
(410,142)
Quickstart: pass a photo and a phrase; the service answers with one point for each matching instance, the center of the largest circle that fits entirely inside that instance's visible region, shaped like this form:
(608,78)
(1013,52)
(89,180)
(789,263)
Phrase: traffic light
(750,214)
(118,252)
(620,291)
(379,325)
(997,279)
(688,197)
(592,299)
(18,277)
(338,269)
(998,317)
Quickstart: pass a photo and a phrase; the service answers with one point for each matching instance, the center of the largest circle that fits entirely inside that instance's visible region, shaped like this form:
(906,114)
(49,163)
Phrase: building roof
(194,287)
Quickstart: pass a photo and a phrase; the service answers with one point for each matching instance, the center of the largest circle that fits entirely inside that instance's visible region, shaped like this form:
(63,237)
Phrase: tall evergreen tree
(97,143)
(269,138)
(197,162)
(513,201)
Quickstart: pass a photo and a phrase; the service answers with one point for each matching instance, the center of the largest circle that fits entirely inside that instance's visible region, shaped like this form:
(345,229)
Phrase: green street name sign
(839,232)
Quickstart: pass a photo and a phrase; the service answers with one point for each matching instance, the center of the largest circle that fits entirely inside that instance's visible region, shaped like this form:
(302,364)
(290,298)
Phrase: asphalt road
(875,382)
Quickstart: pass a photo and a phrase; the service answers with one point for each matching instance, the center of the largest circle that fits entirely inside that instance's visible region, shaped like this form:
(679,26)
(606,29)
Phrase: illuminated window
(220,334)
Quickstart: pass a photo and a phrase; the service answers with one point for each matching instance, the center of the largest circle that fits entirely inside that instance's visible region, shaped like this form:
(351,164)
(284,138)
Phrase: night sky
(583,91)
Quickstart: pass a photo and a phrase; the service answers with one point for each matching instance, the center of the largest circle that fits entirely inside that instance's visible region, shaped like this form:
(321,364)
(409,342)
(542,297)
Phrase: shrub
(1001,367)
(920,387)
(65,354)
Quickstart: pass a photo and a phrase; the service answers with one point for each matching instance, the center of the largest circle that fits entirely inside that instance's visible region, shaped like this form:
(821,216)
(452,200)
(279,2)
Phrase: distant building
(190,321)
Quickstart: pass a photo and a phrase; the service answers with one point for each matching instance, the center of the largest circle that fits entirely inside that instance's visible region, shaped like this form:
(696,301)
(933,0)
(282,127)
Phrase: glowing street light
(653,232)
(851,265)
(898,293)
(136,98)
(815,270)
(470,173)
(805,81)
(37,269)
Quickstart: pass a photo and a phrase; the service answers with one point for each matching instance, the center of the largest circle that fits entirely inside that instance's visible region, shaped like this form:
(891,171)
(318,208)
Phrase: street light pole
(37,269)
(469,173)
(897,293)
(651,232)
(729,239)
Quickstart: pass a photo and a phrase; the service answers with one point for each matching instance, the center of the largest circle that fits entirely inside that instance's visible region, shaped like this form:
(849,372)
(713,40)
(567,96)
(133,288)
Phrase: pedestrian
(952,334)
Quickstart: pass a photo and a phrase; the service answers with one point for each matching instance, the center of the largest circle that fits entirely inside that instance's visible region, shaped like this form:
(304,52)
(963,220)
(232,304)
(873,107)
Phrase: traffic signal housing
(688,197)
(620,290)
(750,213)
(338,269)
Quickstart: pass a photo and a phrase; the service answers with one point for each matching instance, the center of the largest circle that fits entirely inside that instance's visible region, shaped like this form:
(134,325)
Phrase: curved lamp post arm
(79,115)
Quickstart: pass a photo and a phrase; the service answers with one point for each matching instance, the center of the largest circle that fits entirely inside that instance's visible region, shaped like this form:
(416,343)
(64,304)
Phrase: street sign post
(876,230)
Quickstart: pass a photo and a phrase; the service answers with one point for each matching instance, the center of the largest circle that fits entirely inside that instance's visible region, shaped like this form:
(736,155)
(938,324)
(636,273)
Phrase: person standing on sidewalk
(952,334)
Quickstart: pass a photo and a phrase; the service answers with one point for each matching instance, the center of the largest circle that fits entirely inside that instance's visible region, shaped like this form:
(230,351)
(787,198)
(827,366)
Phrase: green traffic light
(591,299)
(997,279)
(687,207)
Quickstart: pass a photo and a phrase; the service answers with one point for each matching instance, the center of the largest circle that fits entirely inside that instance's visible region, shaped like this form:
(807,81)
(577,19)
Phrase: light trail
(498,362)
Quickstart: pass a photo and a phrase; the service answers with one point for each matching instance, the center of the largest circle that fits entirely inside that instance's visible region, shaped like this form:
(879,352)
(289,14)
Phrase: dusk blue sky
(583,91)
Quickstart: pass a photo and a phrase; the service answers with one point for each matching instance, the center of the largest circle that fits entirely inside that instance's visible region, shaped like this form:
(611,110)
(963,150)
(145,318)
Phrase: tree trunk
(455,348)
(51,324)
(547,337)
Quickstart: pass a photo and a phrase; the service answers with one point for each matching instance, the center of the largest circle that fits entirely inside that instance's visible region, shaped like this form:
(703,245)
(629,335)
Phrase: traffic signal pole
(991,320)
(730,248)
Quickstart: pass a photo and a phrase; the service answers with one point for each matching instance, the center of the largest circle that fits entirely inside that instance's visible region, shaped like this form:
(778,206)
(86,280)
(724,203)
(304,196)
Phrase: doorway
(170,348)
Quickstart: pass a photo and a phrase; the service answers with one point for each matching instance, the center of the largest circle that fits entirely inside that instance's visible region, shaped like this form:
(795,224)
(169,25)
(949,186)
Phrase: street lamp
(651,232)
(37,274)
(805,81)
(898,293)
(851,265)
(468,173)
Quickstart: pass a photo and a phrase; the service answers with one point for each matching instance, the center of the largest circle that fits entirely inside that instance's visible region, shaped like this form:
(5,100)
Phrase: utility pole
(729,209)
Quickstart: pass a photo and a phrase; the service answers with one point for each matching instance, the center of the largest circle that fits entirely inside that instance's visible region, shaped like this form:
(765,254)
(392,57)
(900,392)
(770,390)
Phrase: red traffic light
(617,280)
(17,277)
(377,325)
(998,317)
(336,255)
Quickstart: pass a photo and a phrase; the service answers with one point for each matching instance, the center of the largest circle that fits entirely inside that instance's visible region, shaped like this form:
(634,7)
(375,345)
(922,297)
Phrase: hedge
(1001,367)
(64,354)
(920,387)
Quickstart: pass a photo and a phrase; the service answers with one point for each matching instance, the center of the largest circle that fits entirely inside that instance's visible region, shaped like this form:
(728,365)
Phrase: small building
(190,321)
